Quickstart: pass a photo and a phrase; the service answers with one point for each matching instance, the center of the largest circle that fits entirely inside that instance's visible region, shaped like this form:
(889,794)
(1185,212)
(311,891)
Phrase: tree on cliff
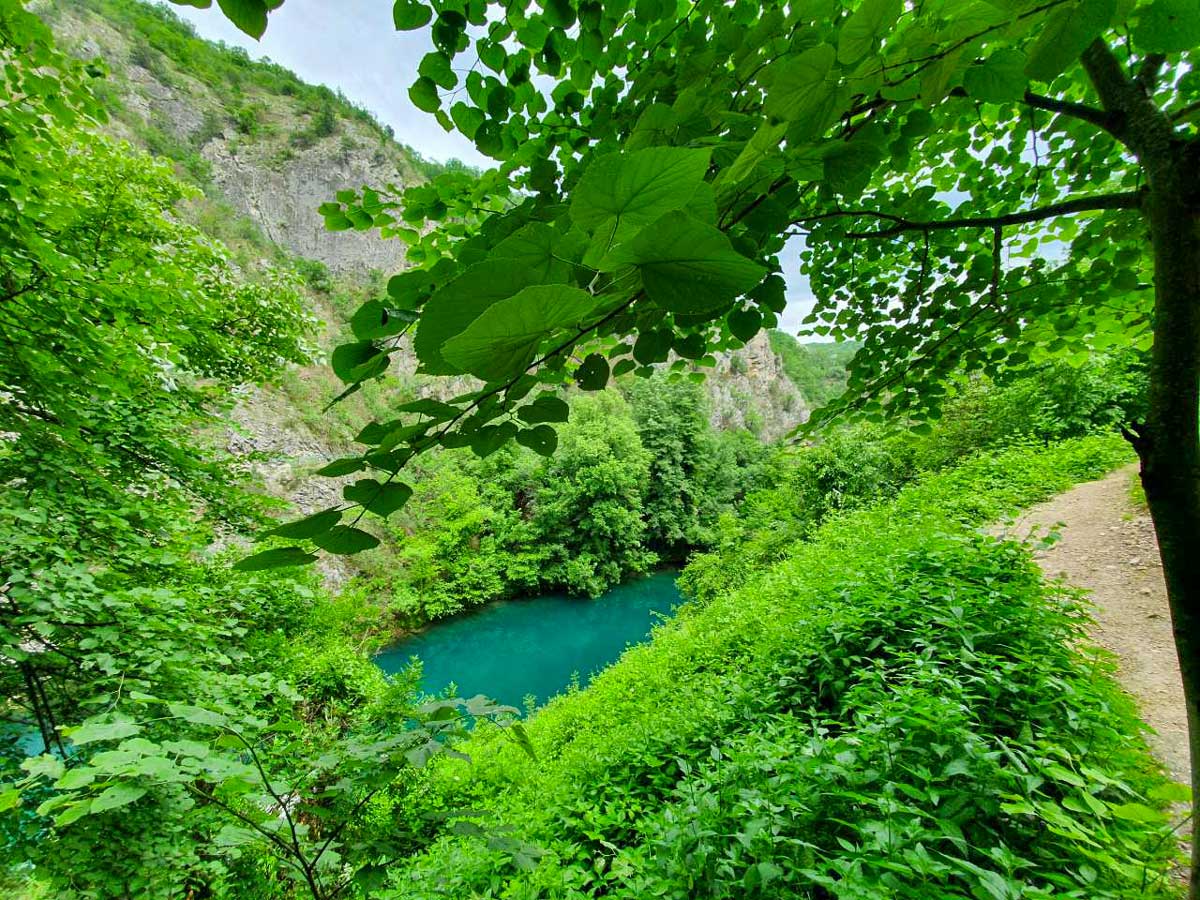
(980,186)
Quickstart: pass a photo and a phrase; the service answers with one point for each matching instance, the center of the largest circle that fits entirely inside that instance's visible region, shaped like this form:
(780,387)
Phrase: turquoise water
(510,650)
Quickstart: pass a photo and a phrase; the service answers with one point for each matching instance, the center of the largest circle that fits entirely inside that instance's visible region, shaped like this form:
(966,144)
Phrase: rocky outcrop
(280,190)
(264,157)
(749,389)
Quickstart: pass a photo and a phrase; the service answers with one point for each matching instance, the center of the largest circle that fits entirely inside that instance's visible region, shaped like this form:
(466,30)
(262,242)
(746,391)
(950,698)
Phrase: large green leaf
(381,498)
(1065,35)
(357,361)
(107,731)
(622,193)
(800,84)
(279,558)
(686,266)
(410,14)
(999,79)
(541,439)
(248,15)
(866,25)
(309,525)
(1168,26)
(849,165)
(545,408)
(450,310)
(502,341)
(536,247)
(345,540)
(592,374)
(118,795)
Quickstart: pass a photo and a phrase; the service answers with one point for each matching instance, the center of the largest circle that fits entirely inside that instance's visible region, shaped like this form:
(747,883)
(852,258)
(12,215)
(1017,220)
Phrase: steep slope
(248,133)
(817,370)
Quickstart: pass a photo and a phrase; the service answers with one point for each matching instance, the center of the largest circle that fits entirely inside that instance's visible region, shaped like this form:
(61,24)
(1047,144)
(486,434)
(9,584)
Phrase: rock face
(282,198)
(749,389)
(264,158)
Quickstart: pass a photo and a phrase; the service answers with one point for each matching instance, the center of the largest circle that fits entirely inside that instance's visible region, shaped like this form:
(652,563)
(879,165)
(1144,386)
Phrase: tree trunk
(1169,444)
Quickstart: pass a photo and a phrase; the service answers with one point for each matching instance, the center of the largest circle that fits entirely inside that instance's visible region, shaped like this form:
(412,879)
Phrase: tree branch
(1082,111)
(1139,124)
(1147,76)
(1181,115)
(1127,200)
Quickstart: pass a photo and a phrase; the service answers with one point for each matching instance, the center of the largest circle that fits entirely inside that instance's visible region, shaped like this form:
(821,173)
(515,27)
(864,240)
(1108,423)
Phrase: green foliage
(934,729)
(146,696)
(595,513)
(818,370)
(862,463)
(322,124)
(667,158)
(696,474)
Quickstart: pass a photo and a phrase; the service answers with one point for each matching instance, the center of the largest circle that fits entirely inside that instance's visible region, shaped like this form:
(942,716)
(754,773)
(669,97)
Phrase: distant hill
(817,370)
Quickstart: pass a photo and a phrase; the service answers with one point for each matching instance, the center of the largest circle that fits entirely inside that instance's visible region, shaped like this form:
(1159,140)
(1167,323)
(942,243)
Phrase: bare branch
(1127,200)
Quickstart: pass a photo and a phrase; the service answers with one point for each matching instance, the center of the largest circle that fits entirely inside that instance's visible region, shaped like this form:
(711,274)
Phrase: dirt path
(1108,547)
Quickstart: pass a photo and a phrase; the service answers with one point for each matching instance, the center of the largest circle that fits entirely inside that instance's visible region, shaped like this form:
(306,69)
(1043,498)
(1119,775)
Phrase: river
(519,648)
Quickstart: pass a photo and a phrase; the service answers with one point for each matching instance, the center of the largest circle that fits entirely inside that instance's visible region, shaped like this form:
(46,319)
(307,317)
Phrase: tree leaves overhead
(1168,26)
(660,162)
(450,310)
(867,25)
(999,79)
(502,341)
(687,266)
(621,194)
(539,248)
(1066,34)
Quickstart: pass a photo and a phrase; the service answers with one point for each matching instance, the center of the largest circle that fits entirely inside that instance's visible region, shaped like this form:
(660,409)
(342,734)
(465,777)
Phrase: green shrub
(903,708)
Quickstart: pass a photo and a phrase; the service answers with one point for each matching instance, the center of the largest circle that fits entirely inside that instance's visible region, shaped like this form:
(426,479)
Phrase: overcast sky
(352,45)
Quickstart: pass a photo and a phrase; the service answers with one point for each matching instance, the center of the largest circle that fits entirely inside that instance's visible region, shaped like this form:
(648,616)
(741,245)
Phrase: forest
(239,463)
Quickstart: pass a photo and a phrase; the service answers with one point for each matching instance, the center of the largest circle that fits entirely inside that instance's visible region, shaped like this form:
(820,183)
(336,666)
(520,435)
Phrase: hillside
(249,134)
(818,370)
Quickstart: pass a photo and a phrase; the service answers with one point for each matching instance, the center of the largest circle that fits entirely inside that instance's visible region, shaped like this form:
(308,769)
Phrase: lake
(518,648)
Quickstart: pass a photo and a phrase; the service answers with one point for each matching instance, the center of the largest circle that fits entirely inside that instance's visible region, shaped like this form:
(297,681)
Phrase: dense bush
(902,708)
(844,466)
(127,333)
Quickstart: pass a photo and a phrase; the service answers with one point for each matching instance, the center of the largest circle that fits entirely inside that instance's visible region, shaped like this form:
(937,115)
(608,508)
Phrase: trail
(1108,547)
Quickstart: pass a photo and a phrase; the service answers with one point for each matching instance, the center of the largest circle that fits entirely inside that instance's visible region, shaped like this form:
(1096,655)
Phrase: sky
(352,46)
